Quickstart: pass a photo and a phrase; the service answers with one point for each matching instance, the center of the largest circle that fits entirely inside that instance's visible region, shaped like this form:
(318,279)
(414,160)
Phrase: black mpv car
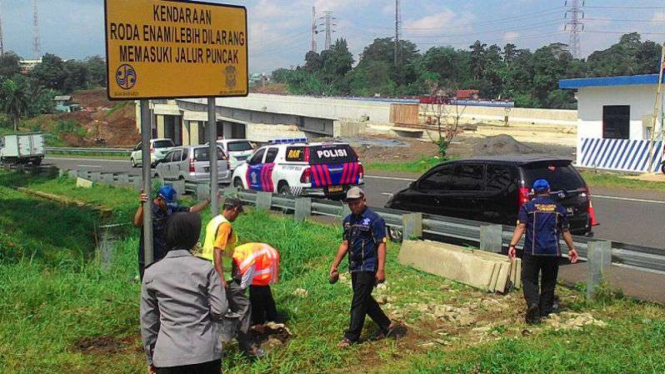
(492,189)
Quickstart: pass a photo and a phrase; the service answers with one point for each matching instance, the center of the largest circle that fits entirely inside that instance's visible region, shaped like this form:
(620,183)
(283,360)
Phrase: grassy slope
(48,308)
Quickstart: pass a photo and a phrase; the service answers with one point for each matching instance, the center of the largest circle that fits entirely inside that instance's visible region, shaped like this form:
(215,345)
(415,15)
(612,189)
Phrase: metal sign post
(659,89)
(146,135)
(214,173)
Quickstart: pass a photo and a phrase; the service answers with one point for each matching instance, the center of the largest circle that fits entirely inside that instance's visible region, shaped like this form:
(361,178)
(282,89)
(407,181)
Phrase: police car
(296,167)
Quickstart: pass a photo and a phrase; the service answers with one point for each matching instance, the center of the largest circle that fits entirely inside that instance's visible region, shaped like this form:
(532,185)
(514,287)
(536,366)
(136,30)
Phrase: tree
(446,122)
(76,76)
(96,66)
(50,72)
(13,100)
(477,59)
(313,62)
(10,64)
(280,75)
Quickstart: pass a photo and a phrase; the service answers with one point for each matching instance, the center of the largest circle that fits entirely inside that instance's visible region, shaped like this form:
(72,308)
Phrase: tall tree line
(530,78)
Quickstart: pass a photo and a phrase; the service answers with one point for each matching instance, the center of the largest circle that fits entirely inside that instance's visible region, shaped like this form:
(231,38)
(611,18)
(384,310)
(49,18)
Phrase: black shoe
(533,315)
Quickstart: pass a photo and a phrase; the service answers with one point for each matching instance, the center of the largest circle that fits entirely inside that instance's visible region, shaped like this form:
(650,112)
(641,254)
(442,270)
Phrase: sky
(280,30)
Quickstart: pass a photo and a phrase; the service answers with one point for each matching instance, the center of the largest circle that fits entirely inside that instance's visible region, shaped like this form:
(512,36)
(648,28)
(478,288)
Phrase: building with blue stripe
(615,122)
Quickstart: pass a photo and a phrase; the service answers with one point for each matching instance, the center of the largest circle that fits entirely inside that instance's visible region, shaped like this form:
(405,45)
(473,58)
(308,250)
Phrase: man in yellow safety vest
(220,236)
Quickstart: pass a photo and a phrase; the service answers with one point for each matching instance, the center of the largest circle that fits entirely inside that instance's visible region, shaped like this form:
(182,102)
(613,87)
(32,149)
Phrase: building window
(616,121)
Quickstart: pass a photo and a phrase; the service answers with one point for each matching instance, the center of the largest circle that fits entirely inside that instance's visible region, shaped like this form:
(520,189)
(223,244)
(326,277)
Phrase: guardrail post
(230,192)
(107,178)
(599,258)
(73,174)
(137,184)
(303,209)
(95,177)
(345,212)
(62,173)
(123,179)
(413,226)
(491,238)
(178,186)
(263,200)
(202,191)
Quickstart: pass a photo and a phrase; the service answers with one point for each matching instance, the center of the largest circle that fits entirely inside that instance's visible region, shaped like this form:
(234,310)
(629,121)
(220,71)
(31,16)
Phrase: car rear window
(163,144)
(203,154)
(295,154)
(239,146)
(561,176)
(332,154)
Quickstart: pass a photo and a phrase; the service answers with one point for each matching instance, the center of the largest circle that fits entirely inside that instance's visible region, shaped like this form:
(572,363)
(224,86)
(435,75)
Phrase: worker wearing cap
(364,240)
(544,221)
(220,236)
(163,206)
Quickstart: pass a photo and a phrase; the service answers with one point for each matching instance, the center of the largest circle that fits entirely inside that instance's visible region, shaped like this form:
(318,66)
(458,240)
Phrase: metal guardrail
(456,229)
(56,150)
(434,227)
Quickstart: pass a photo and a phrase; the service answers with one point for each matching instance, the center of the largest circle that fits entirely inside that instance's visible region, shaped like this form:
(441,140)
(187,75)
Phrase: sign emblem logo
(125,77)
(230,76)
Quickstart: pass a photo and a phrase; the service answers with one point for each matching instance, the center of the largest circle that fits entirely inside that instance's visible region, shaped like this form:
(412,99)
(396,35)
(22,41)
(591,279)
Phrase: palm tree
(14,100)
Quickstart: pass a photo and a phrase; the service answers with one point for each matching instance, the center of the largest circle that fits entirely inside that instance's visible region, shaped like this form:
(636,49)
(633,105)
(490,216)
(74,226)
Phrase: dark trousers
(212,367)
(263,305)
(239,303)
(364,304)
(533,268)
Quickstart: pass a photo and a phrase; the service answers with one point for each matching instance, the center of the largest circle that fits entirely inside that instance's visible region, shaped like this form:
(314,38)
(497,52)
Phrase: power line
(2,47)
(624,20)
(36,42)
(624,7)
(398,20)
(329,24)
(624,32)
(527,27)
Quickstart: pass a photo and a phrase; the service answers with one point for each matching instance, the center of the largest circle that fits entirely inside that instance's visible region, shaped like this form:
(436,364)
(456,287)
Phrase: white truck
(22,148)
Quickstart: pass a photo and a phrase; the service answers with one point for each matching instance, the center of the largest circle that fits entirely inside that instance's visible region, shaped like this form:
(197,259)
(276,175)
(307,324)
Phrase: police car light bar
(287,141)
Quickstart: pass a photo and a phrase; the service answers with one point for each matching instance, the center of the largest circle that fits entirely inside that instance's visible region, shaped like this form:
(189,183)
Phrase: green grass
(58,300)
(418,167)
(619,181)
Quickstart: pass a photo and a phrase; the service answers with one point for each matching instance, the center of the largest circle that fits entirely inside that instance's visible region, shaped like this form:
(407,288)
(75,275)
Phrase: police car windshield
(332,154)
(561,176)
(239,146)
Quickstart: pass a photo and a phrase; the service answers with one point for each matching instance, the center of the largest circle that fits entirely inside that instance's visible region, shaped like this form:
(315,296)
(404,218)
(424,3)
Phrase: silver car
(192,164)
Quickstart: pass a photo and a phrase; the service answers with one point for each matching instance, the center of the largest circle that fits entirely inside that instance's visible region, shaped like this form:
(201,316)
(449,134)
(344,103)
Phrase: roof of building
(630,80)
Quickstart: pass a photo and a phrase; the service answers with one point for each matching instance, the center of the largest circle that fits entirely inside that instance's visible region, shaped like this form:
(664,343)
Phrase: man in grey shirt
(181,298)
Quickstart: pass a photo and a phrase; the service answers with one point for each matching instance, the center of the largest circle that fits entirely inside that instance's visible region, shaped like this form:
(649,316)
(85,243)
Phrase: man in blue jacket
(544,221)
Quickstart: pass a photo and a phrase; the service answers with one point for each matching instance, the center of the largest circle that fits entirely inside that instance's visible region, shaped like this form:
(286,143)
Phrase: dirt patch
(104,345)
(501,145)
(385,149)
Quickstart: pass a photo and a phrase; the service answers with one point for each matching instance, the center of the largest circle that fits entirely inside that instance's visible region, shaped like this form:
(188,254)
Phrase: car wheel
(37,161)
(395,234)
(662,167)
(237,183)
(285,190)
(133,162)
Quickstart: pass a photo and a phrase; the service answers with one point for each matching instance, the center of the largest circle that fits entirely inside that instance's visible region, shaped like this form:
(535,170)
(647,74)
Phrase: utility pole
(398,24)
(329,24)
(37,44)
(2,46)
(314,31)
(575,25)
(659,90)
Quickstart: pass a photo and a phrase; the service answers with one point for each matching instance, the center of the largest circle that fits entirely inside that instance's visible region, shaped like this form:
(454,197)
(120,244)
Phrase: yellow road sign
(166,49)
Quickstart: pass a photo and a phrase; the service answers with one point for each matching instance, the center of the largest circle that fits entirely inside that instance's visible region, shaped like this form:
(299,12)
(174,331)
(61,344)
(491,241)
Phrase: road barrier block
(303,208)
(137,183)
(95,177)
(178,186)
(599,257)
(491,238)
(107,178)
(413,226)
(123,179)
(73,174)
(202,191)
(263,200)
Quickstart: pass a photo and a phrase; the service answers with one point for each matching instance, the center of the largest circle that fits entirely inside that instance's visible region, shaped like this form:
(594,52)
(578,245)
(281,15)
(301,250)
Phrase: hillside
(100,123)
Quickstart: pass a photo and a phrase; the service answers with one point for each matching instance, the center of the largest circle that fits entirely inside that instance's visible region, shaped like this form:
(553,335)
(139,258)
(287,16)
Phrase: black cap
(233,203)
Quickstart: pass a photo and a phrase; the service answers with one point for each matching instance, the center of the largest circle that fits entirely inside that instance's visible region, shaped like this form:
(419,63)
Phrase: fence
(619,154)
(600,255)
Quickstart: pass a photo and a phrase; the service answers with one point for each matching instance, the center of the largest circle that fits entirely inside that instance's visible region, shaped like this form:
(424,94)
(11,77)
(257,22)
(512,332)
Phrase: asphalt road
(629,216)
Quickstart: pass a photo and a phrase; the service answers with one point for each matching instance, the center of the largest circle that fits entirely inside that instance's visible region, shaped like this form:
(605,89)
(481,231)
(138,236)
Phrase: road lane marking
(53,159)
(627,199)
(387,194)
(88,166)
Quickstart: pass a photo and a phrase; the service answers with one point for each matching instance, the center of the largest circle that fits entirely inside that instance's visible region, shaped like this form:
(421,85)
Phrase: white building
(615,122)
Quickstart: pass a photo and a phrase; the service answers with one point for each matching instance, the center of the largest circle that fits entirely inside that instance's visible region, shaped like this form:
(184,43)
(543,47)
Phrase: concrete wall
(472,114)
(340,109)
(262,133)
